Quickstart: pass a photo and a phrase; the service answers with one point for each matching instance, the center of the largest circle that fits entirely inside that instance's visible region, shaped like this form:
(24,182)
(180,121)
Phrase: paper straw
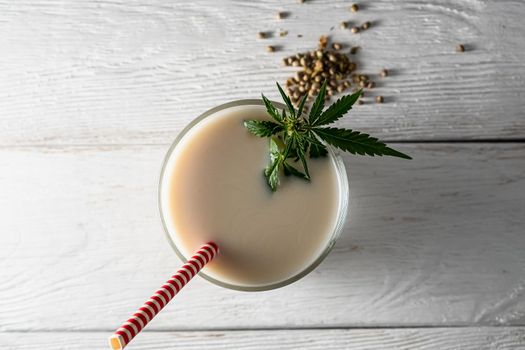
(161,297)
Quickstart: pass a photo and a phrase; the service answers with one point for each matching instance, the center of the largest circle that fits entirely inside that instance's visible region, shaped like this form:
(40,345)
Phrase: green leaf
(262,128)
(291,170)
(301,106)
(296,148)
(356,142)
(316,148)
(272,170)
(289,147)
(317,107)
(284,116)
(273,146)
(272,111)
(287,100)
(337,109)
(300,146)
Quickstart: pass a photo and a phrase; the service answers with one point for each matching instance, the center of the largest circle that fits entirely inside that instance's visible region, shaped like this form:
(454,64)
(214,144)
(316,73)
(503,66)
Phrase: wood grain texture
(434,241)
(113,72)
(500,338)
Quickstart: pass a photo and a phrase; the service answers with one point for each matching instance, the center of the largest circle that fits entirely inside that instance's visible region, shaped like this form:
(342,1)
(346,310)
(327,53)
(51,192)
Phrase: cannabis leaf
(317,149)
(262,128)
(291,170)
(356,142)
(272,111)
(301,105)
(276,160)
(295,137)
(287,100)
(337,109)
(317,107)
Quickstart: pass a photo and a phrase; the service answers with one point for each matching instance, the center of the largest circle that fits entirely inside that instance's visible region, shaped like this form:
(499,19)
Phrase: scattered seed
(365,25)
(262,35)
(344,25)
(460,48)
(362,83)
(281,15)
(354,8)
(380,99)
(270,48)
(299,35)
(283,33)
(301,1)
(383,73)
(371,85)
(355,30)
(360,102)
(337,46)
(354,50)
(323,41)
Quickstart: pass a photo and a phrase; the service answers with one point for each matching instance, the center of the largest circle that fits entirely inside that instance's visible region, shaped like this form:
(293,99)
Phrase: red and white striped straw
(161,297)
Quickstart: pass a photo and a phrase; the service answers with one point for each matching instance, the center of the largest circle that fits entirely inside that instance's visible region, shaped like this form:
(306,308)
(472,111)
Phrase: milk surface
(213,188)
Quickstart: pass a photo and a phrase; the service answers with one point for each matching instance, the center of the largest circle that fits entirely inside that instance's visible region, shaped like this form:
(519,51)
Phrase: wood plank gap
(122,145)
(266,329)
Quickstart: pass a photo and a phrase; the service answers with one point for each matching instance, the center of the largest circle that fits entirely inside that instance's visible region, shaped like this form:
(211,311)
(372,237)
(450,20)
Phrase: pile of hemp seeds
(327,63)
(330,64)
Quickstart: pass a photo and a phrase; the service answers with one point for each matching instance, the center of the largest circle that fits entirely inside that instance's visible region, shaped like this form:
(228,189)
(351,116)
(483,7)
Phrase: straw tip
(116,342)
(213,245)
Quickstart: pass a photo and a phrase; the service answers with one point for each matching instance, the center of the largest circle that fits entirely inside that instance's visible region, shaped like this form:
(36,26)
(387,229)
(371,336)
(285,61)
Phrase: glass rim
(343,191)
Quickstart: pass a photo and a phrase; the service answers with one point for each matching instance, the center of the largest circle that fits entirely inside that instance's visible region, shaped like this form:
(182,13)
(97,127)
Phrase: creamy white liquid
(213,189)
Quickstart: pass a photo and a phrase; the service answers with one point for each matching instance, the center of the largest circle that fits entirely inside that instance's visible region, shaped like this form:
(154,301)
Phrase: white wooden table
(93,92)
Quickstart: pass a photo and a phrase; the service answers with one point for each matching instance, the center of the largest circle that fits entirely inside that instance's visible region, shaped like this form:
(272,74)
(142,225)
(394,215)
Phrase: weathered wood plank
(434,241)
(501,338)
(77,72)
